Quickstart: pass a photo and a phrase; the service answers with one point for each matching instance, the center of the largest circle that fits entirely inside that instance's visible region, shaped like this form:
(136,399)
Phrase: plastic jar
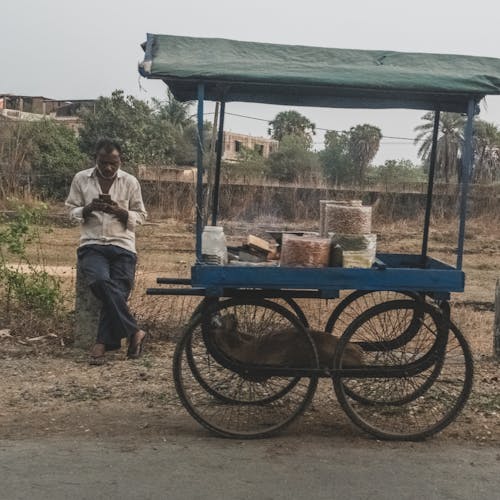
(213,246)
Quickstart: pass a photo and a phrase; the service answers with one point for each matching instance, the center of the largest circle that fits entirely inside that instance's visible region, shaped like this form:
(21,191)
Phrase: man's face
(108,163)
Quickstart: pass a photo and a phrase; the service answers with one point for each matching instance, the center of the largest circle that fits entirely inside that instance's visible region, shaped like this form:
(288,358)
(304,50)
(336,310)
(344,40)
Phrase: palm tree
(173,111)
(364,142)
(486,151)
(449,145)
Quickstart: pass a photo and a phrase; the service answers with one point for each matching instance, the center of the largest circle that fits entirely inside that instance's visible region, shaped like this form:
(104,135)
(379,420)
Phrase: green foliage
(186,146)
(26,286)
(174,116)
(160,134)
(486,152)
(15,150)
(364,141)
(293,160)
(397,172)
(145,137)
(250,164)
(37,291)
(173,111)
(449,145)
(335,159)
(292,123)
(42,154)
(347,154)
(55,158)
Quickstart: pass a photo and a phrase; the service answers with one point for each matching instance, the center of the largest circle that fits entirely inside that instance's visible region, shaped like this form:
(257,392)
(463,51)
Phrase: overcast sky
(83,49)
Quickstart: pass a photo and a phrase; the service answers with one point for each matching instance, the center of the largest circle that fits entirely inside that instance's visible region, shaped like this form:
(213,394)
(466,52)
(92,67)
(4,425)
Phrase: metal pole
(466,172)
(430,186)
(199,177)
(218,160)
(210,167)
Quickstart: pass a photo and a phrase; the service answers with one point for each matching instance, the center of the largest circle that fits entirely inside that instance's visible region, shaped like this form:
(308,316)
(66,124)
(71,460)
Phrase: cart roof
(315,76)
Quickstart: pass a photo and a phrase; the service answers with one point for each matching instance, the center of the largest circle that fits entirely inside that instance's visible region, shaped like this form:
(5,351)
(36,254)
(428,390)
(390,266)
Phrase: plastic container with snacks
(304,251)
(352,218)
(358,250)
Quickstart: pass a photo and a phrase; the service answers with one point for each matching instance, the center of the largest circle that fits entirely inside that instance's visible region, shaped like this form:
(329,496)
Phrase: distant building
(234,144)
(21,107)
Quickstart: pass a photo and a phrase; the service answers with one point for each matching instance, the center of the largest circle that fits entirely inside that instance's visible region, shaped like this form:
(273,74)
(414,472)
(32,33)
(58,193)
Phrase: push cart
(417,369)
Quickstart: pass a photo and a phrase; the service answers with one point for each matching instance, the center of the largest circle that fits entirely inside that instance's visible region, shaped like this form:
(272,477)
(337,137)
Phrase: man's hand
(95,205)
(121,214)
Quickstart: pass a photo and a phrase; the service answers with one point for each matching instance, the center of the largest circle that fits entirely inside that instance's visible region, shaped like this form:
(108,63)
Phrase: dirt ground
(48,389)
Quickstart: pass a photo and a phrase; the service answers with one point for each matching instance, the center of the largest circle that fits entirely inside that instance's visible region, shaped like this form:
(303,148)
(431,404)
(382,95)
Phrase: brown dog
(283,347)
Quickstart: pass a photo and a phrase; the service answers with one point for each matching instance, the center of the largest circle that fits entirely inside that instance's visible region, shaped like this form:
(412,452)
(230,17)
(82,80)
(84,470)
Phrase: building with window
(235,144)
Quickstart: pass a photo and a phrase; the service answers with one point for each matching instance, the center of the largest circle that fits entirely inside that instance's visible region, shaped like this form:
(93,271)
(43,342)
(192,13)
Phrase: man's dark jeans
(109,271)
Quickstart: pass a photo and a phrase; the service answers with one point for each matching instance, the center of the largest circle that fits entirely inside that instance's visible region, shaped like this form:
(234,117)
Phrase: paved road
(200,467)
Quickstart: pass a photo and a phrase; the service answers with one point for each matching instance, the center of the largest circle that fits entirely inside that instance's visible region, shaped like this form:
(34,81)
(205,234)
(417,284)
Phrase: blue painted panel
(412,261)
(438,278)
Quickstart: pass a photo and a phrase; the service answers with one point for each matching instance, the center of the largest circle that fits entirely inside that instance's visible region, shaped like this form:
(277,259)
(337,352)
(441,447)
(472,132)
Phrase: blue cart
(400,368)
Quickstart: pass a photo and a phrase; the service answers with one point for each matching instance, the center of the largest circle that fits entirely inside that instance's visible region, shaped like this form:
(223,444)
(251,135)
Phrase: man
(108,204)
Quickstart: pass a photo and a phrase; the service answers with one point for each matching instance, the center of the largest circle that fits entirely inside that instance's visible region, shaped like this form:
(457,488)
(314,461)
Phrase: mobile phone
(105,198)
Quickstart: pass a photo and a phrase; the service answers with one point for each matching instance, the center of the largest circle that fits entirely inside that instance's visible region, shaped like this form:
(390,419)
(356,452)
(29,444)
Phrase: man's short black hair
(108,145)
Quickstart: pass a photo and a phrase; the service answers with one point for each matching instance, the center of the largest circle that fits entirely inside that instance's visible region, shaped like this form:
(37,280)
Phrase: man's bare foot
(136,345)
(97,355)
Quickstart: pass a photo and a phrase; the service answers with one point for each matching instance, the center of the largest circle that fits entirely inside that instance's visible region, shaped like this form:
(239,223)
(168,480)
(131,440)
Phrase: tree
(293,160)
(397,172)
(173,111)
(15,149)
(55,158)
(146,137)
(183,129)
(250,164)
(187,143)
(292,123)
(335,158)
(486,152)
(43,155)
(160,134)
(364,142)
(449,145)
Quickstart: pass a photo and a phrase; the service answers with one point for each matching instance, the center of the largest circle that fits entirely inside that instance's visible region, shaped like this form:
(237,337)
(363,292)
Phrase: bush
(397,172)
(293,161)
(26,286)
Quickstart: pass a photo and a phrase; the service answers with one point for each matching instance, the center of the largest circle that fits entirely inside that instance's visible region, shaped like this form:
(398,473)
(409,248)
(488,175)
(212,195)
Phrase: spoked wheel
(198,363)
(406,407)
(292,304)
(357,303)
(234,398)
(360,301)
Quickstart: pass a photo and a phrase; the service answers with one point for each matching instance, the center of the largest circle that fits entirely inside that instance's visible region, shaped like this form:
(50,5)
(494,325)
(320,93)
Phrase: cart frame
(424,339)
(328,78)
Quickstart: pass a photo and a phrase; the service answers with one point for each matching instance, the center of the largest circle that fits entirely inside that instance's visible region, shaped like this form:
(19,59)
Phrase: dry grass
(165,248)
(46,379)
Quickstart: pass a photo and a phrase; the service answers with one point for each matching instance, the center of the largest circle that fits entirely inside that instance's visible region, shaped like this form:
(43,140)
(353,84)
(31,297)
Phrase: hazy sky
(82,49)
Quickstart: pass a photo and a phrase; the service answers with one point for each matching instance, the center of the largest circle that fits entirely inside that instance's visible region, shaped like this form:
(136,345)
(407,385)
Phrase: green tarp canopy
(314,76)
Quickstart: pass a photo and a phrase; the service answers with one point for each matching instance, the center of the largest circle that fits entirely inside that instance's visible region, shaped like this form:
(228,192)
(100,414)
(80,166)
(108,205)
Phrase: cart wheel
(292,304)
(241,403)
(198,363)
(356,303)
(394,413)
(289,301)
